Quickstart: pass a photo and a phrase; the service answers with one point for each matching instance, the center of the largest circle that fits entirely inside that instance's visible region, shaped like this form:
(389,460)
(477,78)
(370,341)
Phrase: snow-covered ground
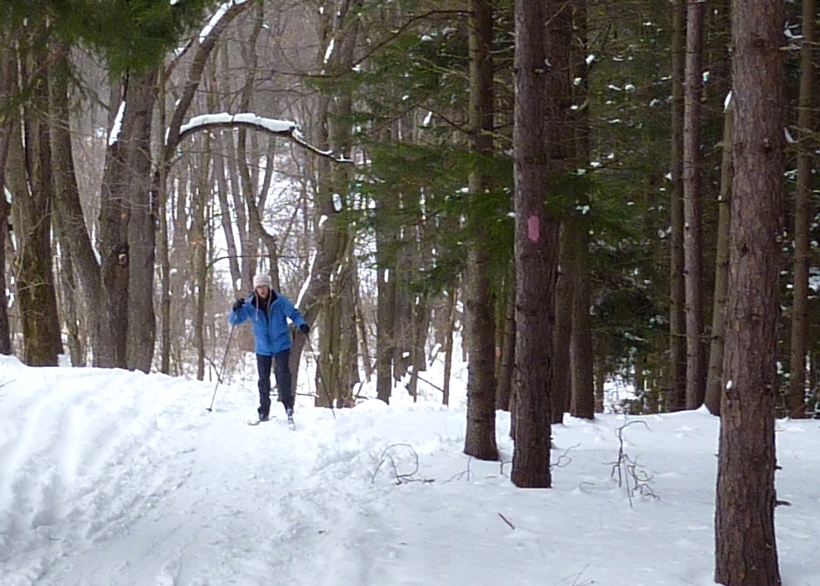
(117,478)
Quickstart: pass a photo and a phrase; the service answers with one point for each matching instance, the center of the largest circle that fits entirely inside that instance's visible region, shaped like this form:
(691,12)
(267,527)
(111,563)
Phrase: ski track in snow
(117,491)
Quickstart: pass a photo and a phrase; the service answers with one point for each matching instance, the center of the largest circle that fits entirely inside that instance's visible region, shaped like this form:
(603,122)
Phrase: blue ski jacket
(271,331)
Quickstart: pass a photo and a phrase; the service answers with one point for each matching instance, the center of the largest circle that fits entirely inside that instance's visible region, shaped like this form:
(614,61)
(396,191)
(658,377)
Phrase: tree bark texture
(582,402)
(677,293)
(693,205)
(35,281)
(8,86)
(67,206)
(561,390)
(745,546)
(480,440)
(506,372)
(803,216)
(714,386)
(136,138)
(536,253)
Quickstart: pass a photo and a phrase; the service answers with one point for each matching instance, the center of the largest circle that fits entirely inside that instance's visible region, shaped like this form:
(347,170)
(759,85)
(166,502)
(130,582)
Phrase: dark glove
(238,305)
(305,329)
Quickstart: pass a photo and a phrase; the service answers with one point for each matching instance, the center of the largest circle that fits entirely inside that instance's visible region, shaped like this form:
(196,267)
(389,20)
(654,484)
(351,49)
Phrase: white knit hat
(261,280)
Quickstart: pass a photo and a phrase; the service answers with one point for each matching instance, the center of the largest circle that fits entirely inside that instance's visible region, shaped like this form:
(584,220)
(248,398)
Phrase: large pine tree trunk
(803,215)
(693,206)
(480,335)
(536,253)
(714,387)
(745,546)
(677,293)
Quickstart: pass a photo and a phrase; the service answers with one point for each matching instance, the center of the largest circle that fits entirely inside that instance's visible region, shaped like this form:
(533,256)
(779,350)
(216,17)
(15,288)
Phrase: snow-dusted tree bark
(745,546)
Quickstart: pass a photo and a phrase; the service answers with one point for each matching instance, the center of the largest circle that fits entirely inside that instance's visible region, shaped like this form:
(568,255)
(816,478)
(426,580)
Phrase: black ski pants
(281,371)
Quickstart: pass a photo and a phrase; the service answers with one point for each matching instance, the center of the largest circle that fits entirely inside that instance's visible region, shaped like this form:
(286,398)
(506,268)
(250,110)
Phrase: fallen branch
(400,478)
(507,521)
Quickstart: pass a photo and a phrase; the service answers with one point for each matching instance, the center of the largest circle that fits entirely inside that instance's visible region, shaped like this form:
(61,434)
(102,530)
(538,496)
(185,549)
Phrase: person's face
(262,291)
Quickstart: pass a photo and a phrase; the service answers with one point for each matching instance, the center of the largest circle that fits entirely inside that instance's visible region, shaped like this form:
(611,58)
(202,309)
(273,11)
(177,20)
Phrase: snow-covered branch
(284,128)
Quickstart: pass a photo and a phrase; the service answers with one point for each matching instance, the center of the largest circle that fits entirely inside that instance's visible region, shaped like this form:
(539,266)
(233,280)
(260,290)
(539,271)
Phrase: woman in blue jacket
(269,312)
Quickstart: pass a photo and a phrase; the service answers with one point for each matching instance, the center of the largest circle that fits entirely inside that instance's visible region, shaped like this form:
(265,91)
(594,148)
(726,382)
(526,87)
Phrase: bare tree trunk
(163,245)
(582,357)
(67,206)
(693,206)
(35,281)
(448,343)
(562,375)
(803,215)
(505,375)
(198,242)
(536,253)
(136,132)
(583,383)
(479,440)
(8,87)
(714,386)
(385,319)
(745,545)
(677,299)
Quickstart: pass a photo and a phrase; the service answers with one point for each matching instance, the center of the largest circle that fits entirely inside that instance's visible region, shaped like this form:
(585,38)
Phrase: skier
(268,311)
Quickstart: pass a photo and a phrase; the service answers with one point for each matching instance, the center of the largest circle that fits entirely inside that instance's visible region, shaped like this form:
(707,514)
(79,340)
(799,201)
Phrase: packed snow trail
(114,478)
(173,493)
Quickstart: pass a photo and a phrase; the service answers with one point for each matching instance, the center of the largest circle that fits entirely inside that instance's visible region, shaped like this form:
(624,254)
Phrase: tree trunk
(35,281)
(677,298)
(505,375)
(714,386)
(113,247)
(583,383)
(385,311)
(448,344)
(693,206)
(479,440)
(136,132)
(562,375)
(803,215)
(163,244)
(67,206)
(8,86)
(536,253)
(198,242)
(745,546)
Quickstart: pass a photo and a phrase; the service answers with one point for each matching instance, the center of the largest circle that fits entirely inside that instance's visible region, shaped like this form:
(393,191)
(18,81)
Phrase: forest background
(410,171)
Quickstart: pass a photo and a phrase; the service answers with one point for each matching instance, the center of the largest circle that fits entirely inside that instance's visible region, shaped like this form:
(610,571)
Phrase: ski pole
(222,370)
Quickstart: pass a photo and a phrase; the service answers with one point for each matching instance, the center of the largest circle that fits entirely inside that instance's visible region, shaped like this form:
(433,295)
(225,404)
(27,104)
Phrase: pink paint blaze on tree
(533,229)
